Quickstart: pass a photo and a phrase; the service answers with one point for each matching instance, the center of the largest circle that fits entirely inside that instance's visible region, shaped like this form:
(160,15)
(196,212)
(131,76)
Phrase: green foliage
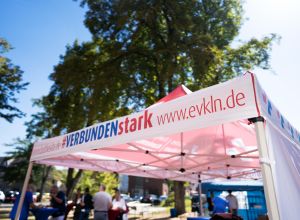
(110,180)
(10,84)
(86,89)
(161,44)
(42,123)
(93,180)
(58,175)
(169,202)
(18,160)
(188,204)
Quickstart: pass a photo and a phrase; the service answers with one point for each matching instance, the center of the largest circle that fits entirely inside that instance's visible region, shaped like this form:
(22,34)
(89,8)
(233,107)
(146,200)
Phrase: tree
(179,190)
(159,44)
(165,43)
(86,88)
(10,84)
(84,91)
(41,126)
(92,180)
(18,160)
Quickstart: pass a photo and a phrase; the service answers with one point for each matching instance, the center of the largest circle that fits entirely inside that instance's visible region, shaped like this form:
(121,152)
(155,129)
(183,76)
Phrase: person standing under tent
(86,205)
(233,203)
(58,200)
(220,205)
(119,205)
(76,202)
(102,203)
(27,204)
(210,205)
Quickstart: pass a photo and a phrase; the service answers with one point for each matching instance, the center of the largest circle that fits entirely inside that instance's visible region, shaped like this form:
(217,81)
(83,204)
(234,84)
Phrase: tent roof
(181,90)
(185,136)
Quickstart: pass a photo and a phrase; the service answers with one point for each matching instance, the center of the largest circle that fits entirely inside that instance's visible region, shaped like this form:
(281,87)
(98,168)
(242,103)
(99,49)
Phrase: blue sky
(40,30)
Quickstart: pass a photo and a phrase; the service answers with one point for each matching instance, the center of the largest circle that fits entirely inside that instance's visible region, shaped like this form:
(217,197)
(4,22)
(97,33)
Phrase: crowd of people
(104,206)
(216,204)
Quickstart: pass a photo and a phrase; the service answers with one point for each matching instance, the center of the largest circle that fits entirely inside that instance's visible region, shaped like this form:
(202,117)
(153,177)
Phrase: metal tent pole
(268,181)
(21,200)
(200,200)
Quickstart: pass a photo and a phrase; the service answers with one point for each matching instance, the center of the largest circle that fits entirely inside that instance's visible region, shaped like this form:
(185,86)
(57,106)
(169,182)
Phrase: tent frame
(268,181)
(25,185)
(269,187)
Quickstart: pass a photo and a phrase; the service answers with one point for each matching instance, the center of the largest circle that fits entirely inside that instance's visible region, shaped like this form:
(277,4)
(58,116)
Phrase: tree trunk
(46,172)
(161,90)
(179,192)
(170,85)
(72,181)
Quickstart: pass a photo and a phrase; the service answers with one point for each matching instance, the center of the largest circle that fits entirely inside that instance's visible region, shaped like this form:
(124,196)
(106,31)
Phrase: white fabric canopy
(283,142)
(183,135)
(188,136)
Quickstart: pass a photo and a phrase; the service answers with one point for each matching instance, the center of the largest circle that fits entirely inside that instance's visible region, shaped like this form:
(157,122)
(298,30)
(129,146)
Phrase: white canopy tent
(227,131)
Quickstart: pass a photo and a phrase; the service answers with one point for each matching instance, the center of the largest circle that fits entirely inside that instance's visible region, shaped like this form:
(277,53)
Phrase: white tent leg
(268,181)
(24,190)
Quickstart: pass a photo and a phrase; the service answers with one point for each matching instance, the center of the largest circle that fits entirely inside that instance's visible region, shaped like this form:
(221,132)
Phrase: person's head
(87,190)
(78,190)
(54,189)
(102,187)
(117,194)
(229,191)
